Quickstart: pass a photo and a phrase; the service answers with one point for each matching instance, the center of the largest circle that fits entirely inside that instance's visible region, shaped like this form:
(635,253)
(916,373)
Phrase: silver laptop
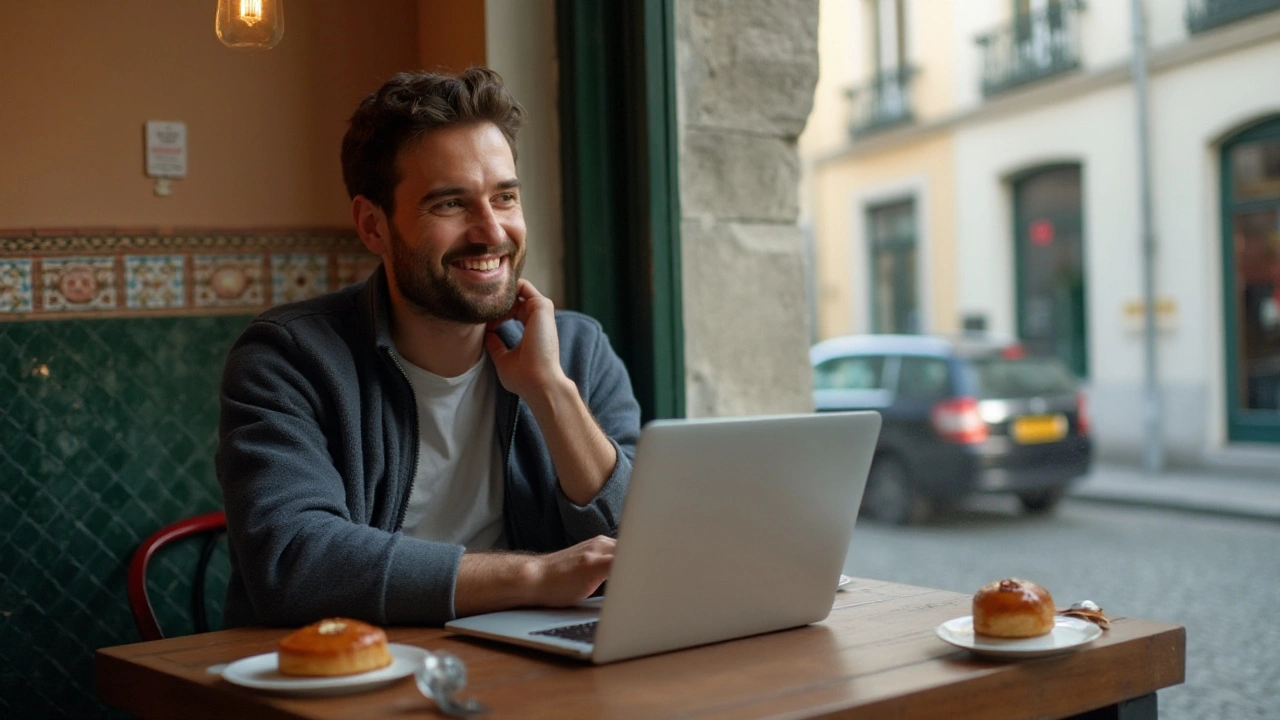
(731,527)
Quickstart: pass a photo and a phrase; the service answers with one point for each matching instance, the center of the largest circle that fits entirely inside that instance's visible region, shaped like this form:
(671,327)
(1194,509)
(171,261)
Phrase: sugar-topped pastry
(334,646)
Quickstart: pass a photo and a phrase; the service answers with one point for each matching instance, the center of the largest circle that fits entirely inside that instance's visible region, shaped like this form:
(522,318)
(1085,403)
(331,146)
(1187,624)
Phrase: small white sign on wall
(166,149)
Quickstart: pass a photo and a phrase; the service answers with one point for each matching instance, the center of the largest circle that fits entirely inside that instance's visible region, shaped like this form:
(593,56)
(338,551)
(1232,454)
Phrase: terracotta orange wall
(78,78)
(451,34)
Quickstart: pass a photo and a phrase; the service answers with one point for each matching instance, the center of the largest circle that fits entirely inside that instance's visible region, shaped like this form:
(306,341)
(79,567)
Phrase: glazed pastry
(335,646)
(1013,608)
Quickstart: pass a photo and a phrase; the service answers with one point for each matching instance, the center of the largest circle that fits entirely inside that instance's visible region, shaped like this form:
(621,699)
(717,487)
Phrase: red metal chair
(215,524)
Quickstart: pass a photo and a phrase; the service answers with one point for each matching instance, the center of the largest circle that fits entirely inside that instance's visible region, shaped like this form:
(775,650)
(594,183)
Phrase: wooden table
(876,656)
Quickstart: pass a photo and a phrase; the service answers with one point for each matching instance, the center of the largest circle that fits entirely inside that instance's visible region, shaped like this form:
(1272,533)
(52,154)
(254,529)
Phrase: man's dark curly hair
(406,107)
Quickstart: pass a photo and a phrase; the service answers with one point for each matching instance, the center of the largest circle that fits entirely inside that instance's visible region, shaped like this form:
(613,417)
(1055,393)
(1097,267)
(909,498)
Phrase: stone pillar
(746,71)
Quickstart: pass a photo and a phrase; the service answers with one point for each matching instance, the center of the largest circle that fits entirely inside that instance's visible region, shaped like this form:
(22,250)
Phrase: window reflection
(1256,235)
(1255,170)
(923,378)
(893,263)
(850,373)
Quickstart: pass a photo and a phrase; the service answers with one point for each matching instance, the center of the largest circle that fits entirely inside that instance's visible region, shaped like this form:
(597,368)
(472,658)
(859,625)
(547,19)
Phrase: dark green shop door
(1049,265)
(1251,281)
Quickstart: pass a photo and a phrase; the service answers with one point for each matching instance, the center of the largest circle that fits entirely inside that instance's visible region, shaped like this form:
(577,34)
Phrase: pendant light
(250,24)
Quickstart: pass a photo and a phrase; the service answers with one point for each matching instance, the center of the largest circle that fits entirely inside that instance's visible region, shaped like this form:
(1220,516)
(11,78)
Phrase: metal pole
(1153,447)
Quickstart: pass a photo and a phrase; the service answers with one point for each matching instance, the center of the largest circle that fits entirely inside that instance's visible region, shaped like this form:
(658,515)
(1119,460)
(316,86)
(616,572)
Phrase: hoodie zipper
(506,475)
(404,503)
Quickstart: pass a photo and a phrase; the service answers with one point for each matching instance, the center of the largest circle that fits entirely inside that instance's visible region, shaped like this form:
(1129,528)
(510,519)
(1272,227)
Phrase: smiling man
(439,440)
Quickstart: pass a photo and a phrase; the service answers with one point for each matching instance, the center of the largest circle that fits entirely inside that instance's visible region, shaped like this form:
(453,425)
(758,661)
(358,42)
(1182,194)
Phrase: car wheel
(891,496)
(1042,501)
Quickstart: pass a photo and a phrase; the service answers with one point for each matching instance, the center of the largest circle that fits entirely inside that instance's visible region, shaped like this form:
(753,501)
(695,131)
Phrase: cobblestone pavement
(1217,576)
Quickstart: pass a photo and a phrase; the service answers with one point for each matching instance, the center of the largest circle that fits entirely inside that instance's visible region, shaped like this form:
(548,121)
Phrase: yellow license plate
(1034,429)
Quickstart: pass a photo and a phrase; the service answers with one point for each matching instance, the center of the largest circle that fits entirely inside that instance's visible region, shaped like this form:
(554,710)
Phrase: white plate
(1068,634)
(260,673)
(844,582)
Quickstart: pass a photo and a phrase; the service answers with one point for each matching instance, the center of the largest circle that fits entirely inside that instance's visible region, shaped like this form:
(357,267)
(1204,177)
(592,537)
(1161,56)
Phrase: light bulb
(250,24)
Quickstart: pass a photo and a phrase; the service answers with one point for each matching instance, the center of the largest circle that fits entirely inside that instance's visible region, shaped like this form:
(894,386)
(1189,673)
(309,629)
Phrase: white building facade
(1036,230)
(1049,219)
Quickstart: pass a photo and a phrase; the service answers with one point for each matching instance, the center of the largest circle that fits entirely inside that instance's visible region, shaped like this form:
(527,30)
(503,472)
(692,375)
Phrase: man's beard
(431,291)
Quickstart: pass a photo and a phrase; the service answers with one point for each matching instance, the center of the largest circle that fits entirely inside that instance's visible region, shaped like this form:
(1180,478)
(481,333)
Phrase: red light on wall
(1041,232)
(1013,352)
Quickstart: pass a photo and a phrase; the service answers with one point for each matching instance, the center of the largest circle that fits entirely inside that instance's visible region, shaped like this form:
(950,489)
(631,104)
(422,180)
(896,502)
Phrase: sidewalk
(1223,493)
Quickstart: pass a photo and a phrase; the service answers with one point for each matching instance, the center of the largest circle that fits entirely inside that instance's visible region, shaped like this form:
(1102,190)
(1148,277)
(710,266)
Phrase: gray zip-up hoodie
(318,444)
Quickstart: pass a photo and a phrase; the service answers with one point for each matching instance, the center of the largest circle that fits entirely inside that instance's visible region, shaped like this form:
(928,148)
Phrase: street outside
(1217,576)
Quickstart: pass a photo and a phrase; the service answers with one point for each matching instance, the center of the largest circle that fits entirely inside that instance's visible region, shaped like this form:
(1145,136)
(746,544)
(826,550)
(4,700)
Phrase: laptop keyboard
(582,632)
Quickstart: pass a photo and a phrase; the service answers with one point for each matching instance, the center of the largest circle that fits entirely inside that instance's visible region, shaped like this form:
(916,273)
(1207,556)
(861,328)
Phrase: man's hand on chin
(531,368)
(581,452)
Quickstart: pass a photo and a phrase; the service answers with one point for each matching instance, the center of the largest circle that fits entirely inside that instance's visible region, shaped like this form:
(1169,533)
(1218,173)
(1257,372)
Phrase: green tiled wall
(107,432)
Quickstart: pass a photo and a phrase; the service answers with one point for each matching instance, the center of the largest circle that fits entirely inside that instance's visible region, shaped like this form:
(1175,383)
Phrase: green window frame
(619,162)
(1242,425)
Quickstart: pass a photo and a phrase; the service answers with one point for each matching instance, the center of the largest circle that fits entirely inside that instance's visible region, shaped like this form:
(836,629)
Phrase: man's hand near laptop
(488,582)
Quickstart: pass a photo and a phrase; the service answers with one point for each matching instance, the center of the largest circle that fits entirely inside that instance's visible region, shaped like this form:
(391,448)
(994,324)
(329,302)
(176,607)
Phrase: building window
(884,100)
(1208,14)
(1042,41)
(889,38)
(892,239)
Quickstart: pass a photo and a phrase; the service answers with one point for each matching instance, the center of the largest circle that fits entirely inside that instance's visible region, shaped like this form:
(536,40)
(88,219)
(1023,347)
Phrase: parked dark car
(961,416)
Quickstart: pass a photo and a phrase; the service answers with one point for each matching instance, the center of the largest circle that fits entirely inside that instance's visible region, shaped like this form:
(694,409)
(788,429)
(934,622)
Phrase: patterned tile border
(229,281)
(48,275)
(299,276)
(15,286)
(155,281)
(79,241)
(78,283)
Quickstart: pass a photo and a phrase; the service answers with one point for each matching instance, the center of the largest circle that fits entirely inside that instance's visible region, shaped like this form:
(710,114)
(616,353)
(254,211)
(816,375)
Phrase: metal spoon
(442,675)
(1088,610)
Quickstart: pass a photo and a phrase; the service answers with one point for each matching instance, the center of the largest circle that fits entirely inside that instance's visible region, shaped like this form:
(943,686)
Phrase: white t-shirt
(457,489)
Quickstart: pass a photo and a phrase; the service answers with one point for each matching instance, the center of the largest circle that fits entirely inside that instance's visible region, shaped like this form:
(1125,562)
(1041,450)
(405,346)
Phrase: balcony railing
(881,103)
(1032,48)
(1208,14)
